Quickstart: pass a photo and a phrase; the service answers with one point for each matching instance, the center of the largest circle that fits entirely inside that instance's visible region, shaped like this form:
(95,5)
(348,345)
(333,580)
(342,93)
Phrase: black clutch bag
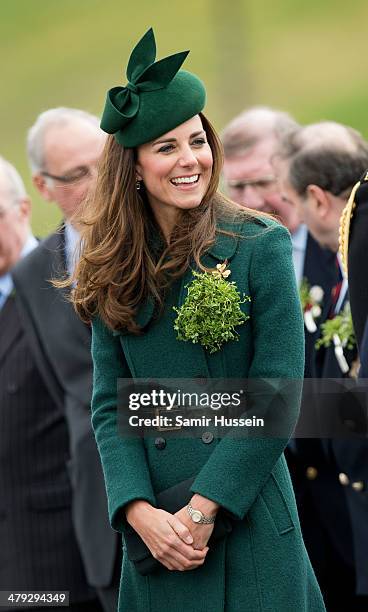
(171,500)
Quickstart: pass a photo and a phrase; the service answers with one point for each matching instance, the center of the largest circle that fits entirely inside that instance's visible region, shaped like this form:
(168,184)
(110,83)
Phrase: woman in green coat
(155,225)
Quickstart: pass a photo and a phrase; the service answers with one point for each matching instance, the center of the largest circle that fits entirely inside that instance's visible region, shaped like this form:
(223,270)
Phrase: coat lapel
(156,353)
(225,246)
(223,249)
(145,313)
(320,267)
(143,316)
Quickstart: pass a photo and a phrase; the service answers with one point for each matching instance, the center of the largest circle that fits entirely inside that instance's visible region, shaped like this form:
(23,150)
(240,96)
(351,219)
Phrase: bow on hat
(143,74)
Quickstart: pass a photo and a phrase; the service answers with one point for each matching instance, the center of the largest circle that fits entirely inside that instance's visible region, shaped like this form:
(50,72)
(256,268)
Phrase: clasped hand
(173,539)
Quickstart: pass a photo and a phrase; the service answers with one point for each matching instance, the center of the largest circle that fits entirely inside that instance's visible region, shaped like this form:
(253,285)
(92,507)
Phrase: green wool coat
(262,566)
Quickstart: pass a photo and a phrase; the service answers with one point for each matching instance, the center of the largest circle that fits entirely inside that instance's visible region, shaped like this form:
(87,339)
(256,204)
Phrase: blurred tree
(232,82)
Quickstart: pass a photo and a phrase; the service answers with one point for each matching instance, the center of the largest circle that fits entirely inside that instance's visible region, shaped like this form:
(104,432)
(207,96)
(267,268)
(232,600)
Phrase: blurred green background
(306,57)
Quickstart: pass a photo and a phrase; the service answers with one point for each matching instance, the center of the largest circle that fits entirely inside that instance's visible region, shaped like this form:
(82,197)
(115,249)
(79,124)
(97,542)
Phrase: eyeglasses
(73,177)
(262,184)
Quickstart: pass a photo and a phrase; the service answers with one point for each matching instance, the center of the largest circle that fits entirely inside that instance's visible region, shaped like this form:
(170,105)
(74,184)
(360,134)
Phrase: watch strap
(205,520)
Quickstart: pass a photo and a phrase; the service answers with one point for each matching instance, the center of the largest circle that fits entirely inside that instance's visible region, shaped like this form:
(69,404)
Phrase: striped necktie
(336,290)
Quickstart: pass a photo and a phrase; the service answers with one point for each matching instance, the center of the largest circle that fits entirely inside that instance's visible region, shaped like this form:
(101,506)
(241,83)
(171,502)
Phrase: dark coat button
(12,387)
(207,437)
(160,443)
(350,424)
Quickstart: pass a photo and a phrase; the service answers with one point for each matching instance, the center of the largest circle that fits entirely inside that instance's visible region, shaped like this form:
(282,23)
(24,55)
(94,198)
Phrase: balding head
(14,216)
(328,154)
(329,134)
(254,125)
(317,167)
(64,146)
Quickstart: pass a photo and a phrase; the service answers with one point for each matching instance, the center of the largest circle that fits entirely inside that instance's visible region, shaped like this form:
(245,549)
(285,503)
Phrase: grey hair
(330,155)
(14,186)
(254,125)
(52,117)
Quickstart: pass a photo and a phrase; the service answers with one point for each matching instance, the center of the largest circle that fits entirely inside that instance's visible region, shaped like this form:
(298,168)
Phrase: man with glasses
(64,146)
(251,142)
(38,548)
(318,165)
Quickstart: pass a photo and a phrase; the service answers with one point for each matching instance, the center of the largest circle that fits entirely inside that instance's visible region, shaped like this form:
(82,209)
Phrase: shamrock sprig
(342,326)
(211,310)
(311,300)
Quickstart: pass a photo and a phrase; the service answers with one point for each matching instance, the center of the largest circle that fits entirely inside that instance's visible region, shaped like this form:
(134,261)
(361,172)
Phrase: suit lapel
(320,267)
(65,338)
(10,328)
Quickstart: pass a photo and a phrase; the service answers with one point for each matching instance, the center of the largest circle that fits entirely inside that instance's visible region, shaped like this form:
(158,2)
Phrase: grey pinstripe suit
(38,547)
(61,344)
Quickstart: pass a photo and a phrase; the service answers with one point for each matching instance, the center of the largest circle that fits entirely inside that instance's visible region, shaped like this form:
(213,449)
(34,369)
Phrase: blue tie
(2,299)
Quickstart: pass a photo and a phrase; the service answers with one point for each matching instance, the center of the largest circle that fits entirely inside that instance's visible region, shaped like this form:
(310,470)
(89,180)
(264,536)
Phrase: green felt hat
(157,98)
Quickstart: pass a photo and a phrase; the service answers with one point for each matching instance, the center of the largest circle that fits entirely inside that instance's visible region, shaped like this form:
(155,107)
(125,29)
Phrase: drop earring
(138,184)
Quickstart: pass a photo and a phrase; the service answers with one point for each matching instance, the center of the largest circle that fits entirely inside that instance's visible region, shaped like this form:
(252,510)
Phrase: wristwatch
(198,517)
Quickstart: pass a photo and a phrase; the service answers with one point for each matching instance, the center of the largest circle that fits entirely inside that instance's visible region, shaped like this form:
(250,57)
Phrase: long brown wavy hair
(121,265)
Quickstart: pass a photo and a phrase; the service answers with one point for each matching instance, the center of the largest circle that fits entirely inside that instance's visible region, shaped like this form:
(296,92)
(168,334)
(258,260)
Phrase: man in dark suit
(318,166)
(356,255)
(64,146)
(38,548)
(251,143)
(354,252)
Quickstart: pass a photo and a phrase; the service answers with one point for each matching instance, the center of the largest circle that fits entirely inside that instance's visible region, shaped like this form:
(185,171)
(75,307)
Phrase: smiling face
(176,170)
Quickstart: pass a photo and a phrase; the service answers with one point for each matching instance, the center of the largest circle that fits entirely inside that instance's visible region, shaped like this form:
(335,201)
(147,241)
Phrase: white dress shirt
(299,242)
(72,247)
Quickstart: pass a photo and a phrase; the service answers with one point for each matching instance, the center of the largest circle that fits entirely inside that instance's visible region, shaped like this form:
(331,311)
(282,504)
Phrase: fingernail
(189,539)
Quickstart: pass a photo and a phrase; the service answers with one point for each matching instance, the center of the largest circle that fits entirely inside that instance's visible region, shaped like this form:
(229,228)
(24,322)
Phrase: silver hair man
(54,117)
(15,211)
(64,146)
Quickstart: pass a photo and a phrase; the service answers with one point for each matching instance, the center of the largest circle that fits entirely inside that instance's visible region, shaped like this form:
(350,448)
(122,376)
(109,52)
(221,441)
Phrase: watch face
(196,516)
